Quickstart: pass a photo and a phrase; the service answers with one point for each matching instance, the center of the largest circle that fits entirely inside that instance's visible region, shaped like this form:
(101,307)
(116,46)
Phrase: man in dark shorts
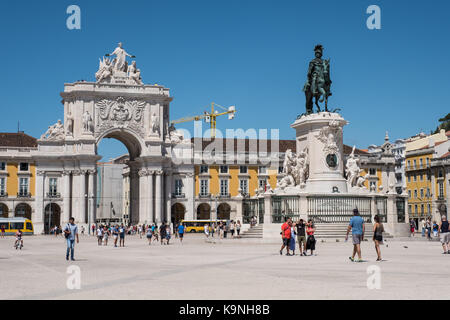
(181,231)
(162,232)
(356,225)
(286,236)
(301,236)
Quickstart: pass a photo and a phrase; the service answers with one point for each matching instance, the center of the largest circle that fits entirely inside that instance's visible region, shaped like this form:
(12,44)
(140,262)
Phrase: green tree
(445,124)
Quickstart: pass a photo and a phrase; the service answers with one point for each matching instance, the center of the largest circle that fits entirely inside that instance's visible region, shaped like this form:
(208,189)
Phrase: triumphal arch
(117,105)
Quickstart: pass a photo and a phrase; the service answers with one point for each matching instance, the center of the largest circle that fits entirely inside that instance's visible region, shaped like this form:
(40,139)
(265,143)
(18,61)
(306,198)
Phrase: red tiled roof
(17,139)
(445,155)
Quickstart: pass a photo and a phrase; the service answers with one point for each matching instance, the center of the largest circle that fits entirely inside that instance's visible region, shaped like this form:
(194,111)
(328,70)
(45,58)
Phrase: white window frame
(178,187)
(24,186)
(224,187)
(204,187)
(243,185)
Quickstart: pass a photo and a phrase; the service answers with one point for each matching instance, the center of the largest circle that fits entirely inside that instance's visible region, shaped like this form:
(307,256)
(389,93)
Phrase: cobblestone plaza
(229,269)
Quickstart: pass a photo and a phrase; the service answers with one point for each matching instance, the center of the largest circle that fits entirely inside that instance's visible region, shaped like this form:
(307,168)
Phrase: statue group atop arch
(118,70)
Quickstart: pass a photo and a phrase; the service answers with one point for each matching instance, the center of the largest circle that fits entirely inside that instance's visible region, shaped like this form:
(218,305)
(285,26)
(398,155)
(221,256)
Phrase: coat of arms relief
(120,113)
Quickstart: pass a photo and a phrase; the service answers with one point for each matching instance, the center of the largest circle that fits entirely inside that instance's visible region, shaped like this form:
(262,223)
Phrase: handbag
(67,235)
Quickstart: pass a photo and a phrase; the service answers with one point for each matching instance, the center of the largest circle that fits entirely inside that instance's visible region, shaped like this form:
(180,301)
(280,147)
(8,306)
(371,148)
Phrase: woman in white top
(206,230)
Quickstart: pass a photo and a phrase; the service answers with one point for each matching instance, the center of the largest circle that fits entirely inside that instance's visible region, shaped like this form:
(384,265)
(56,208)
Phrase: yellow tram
(11,226)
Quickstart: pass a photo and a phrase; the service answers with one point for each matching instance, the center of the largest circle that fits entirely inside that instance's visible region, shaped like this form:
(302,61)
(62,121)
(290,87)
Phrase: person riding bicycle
(19,239)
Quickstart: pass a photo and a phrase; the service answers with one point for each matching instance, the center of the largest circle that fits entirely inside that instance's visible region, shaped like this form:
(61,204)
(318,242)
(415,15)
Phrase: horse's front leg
(317,104)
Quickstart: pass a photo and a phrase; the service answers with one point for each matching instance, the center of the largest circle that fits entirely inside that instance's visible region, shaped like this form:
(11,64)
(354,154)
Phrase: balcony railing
(204,195)
(53,195)
(24,195)
(178,195)
(225,195)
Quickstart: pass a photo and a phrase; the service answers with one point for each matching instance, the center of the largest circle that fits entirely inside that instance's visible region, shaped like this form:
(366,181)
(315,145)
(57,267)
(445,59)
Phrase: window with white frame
(2,186)
(421,162)
(280,169)
(421,208)
(203,169)
(223,169)
(23,166)
(415,194)
(243,184)
(409,194)
(23,186)
(2,166)
(224,187)
(421,193)
(372,171)
(204,187)
(441,190)
(178,187)
(428,192)
(415,208)
(262,170)
(262,184)
(429,208)
(52,186)
(243,169)
(373,185)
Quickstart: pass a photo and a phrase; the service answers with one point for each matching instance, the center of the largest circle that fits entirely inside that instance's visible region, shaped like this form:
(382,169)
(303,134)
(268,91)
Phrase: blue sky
(252,54)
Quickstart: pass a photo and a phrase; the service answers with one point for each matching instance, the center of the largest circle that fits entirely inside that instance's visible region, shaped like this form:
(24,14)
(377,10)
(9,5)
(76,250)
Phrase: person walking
(423,225)
(311,241)
(181,230)
(105,236)
(71,233)
(122,235)
(213,229)
(115,233)
(412,227)
(168,234)
(206,230)
(232,229)
(238,228)
(93,229)
(150,234)
(3,230)
(286,236)
(357,227)
(99,235)
(435,229)
(292,240)
(444,234)
(429,226)
(162,233)
(301,236)
(378,230)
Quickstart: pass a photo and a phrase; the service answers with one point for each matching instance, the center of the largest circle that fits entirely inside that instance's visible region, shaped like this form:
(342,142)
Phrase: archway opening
(4,210)
(204,211)
(223,211)
(177,213)
(52,217)
(117,188)
(23,210)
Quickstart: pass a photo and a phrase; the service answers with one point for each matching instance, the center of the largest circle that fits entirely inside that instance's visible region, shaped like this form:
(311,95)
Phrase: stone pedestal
(321,135)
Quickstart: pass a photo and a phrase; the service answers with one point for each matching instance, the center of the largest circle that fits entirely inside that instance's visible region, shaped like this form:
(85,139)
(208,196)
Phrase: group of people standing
(222,229)
(305,237)
(117,232)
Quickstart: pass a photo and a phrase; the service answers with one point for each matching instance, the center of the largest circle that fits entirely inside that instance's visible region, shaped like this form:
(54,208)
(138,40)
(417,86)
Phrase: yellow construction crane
(210,117)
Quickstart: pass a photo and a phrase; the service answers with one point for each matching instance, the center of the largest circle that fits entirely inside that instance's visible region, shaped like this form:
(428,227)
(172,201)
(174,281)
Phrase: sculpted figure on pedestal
(295,170)
(318,81)
(105,70)
(154,123)
(69,127)
(87,121)
(353,171)
(54,132)
(120,62)
(134,73)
